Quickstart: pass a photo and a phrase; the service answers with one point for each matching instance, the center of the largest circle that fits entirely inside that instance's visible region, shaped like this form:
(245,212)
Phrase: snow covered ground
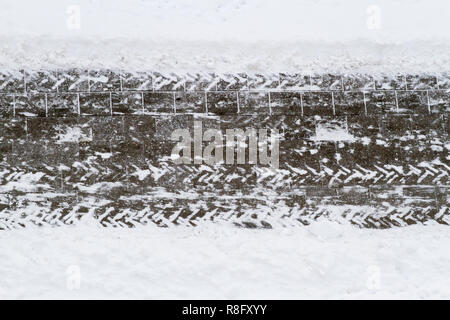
(227,35)
(324,260)
(244,20)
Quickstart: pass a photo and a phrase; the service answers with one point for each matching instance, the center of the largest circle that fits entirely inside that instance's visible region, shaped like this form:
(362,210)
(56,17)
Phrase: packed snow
(324,260)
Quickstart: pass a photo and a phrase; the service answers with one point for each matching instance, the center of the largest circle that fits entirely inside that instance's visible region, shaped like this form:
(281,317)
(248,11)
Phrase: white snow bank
(324,260)
(226,56)
(227,35)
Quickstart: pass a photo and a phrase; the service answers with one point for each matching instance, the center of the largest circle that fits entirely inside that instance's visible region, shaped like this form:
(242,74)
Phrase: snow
(324,260)
(227,35)
(244,20)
